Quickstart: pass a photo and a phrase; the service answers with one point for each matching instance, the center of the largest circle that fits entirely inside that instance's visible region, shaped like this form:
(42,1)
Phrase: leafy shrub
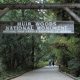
(74,66)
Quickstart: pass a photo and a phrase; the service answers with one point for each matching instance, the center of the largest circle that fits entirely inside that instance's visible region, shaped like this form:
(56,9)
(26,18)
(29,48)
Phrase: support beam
(77,18)
(3,12)
(12,23)
(39,5)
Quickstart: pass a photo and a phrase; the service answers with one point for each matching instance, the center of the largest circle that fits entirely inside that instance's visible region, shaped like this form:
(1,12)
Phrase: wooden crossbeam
(4,8)
(39,6)
(77,18)
(3,12)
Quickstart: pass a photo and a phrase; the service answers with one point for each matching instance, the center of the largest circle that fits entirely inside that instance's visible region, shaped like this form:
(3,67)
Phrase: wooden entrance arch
(4,8)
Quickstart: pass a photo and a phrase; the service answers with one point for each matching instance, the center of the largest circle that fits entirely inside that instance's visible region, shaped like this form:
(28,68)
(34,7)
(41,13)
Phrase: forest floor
(45,73)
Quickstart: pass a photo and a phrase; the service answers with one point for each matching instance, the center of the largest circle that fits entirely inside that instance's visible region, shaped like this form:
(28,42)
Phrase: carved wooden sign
(41,27)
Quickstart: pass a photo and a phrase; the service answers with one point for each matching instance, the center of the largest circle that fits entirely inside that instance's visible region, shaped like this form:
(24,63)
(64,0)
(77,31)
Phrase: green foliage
(15,1)
(42,63)
(66,50)
(74,66)
(15,50)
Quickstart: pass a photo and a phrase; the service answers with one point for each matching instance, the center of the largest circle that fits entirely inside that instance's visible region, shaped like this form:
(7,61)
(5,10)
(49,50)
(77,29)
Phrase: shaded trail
(46,73)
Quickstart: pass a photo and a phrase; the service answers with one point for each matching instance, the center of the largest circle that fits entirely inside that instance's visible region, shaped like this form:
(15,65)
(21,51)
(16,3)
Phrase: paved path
(46,73)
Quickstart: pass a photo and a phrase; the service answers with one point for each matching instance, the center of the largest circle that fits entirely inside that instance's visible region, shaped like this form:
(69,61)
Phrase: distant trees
(68,56)
(16,50)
